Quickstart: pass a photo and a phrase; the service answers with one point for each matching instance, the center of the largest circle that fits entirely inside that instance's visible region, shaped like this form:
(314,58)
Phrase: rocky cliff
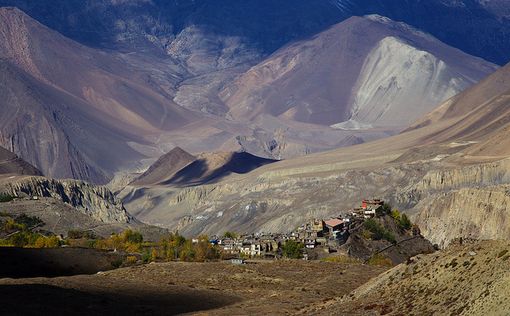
(477,213)
(95,201)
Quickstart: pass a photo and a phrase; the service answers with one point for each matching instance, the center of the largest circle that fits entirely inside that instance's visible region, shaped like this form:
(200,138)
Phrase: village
(318,237)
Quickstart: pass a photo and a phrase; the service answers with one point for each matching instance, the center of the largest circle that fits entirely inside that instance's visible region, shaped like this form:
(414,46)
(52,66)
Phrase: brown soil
(24,262)
(218,288)
(464,279)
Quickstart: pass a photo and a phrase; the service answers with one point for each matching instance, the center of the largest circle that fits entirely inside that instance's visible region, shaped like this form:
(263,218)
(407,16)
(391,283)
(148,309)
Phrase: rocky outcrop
(476,213)
(96,201)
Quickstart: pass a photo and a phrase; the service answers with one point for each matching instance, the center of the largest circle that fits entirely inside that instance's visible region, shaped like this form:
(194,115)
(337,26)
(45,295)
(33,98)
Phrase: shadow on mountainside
(44,299)
(197,172)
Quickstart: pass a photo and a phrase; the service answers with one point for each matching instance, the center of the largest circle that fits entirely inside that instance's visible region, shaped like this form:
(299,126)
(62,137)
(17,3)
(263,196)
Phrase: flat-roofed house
(334,224)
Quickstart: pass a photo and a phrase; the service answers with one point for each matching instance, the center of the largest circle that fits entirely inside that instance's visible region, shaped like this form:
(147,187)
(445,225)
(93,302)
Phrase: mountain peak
(165,167)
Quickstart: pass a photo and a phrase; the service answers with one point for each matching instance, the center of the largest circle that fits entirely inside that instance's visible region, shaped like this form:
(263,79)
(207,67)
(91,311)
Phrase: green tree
(187,252)
(396,215)
(230,235)
(171,245)
(292,249)
(405,223)
(132,236)
(377,231)
(385,209)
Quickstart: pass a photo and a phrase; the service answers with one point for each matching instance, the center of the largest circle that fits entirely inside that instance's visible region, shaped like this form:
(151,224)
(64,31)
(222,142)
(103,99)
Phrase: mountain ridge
(351,72)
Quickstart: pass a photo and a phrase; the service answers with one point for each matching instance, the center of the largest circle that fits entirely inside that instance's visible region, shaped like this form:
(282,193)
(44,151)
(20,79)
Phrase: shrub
(128,240)
(11,225)
(117,263)
(230,235)
(131,259)
(378,232)
(146,256)
(405,223)
(23,239)
(5,198)
(80,234)
(380,260)
(502,253)
(396,215)
(29,221)
(46,242)
(292,249)
(385,209)
(132,236)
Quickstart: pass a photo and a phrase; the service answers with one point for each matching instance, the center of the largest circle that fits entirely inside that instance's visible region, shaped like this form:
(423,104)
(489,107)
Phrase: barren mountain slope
(71,97)
(102,112)
(165,167)
(433,172)
(468,279)
(478,27)
(12,164)
(371,71)
(65,205)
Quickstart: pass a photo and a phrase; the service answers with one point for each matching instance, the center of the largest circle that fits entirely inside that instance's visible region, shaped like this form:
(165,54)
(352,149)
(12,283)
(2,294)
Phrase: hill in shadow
(213,167)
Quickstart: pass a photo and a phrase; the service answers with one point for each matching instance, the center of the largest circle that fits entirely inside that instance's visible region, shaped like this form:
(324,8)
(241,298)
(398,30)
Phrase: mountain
(70,110)
(478,117)
(165,167)
(179,168)
(362,73)
(265,26)
(448,172)
(12,164)
(107,112)
(209,167)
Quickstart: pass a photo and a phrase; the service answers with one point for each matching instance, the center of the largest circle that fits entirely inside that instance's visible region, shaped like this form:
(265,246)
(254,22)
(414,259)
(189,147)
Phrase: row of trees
(18,232)
(170,247)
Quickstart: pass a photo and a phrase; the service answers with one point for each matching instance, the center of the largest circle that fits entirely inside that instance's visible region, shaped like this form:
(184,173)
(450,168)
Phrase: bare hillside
(71,110)
(12,164)
(165,167)
(435,171)
(469,279)
(362,73)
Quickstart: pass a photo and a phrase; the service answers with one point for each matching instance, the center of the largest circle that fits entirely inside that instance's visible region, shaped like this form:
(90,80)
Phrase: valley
(427,283)
(328,157)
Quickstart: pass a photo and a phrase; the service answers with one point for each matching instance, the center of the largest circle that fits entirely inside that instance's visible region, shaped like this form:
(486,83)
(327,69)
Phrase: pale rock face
(475,213)
(398,81)
(96,201)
